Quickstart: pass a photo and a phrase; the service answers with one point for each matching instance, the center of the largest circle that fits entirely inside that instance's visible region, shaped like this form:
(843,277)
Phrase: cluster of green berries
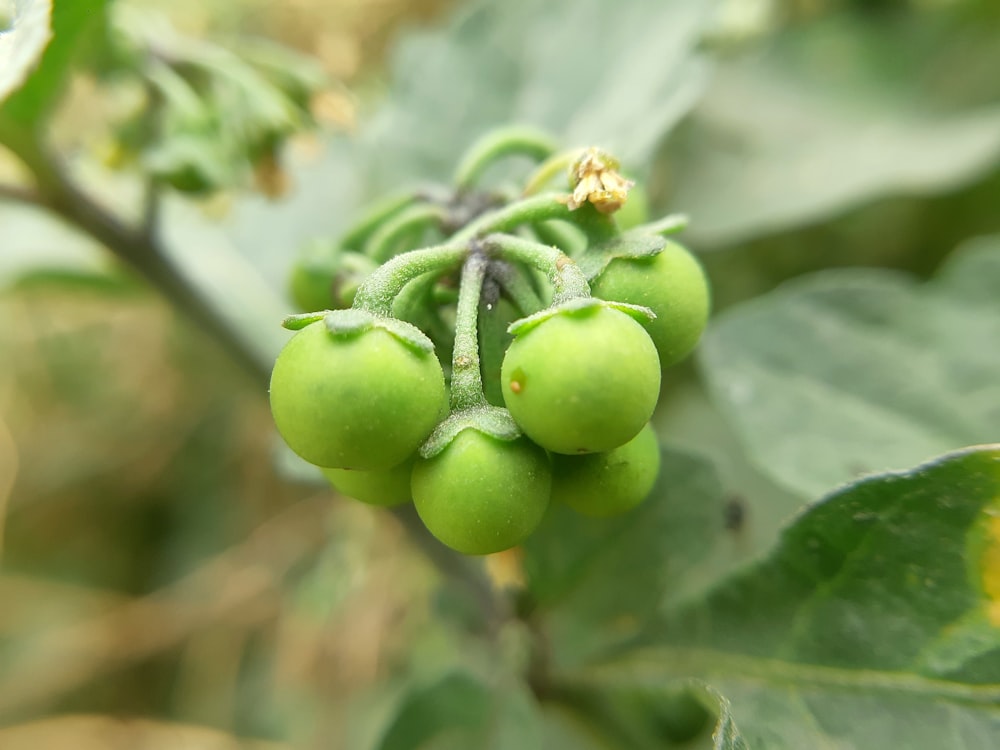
(482,425)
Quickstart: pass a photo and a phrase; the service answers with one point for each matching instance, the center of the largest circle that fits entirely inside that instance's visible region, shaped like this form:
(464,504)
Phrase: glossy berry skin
(482,495)
(386,487)
(355,401)
(673,285)
(582,381)
(606,484)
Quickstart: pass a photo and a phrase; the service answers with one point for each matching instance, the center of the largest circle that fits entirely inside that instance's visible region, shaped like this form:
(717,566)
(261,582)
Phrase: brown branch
(141,250)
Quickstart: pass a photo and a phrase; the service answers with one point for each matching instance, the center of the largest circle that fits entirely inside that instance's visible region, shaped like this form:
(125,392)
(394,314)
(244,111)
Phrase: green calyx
(353,322)
(579,307)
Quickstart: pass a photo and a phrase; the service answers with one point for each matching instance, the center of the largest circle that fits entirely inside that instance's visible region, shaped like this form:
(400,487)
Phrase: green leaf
(22,45)
(852,371)
(543,66)
(458,711)
(825,119)
(72,22)
(874,623)
(574,563)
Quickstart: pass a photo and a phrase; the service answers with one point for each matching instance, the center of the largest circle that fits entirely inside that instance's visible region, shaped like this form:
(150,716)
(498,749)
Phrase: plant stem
(517,287)
(381,245)
(561,235)
(377,292)
(568,281)
(466,376)
(497,145)
(549,169)
(144,254)
(527,211)
(356,237)
(140,251)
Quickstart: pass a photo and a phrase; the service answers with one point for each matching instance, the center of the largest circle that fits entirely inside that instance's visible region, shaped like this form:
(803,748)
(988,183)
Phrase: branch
(142,251)
(21,194)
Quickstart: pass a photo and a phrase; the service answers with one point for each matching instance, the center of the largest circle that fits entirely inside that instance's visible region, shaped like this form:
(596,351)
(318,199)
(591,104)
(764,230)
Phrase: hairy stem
(379,290)
(568,281)
(516,285)
(384,241)
(497,145)
(466,377)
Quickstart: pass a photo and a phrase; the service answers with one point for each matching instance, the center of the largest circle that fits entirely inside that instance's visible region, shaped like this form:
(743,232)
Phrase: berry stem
(466,376)
(527,211)
(376,293)
(568,281)
(548,170)
(561,235)
(385,240)
(517,287)
(497,145)
(356,237)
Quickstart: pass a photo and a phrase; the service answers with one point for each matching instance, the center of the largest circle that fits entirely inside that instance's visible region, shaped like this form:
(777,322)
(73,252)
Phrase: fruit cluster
(535,383)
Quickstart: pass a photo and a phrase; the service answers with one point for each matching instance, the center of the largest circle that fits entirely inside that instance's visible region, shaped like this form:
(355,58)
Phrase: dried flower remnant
(595,178)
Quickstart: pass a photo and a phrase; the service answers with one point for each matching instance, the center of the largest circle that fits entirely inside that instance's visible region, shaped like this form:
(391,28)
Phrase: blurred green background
(157,563)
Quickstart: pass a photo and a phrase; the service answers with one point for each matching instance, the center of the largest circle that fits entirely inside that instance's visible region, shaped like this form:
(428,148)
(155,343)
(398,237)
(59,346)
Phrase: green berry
(481,494)
(673,285)
(386,487)
(362,400)
(606,484)
(582,381)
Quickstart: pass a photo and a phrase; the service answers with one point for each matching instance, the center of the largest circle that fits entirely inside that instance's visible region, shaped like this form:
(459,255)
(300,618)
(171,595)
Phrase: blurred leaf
(72,22)
(874,623)
(824,120)
(688,421)
(852,371)
(109,283)
(495,63)
(22,45)
(460,712)
(571,559)
(33,240)
(591,72)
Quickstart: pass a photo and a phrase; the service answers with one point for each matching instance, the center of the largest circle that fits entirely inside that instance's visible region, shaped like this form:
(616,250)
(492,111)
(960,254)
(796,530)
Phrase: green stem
(358,234)
(384,241)
(561,235)
(378,291)
(497,145)
(548,170)
(527,211)
(415,304)
(466,376)
(517,287)
(568,281)
(137,249)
